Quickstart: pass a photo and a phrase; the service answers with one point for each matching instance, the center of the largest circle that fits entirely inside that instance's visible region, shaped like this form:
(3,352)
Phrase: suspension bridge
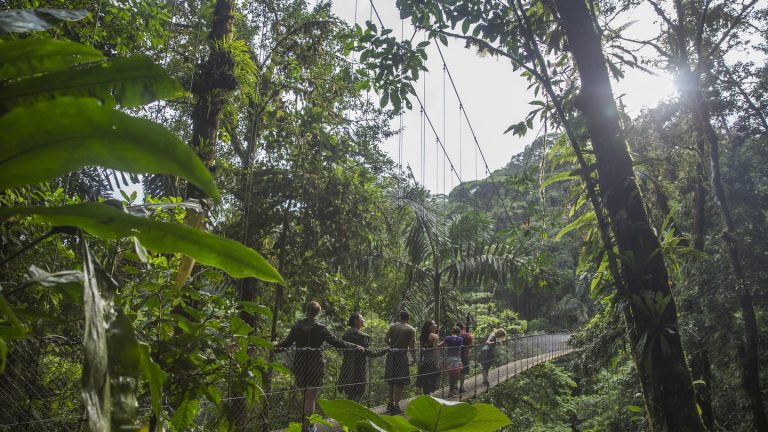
(283,403)
(29,399)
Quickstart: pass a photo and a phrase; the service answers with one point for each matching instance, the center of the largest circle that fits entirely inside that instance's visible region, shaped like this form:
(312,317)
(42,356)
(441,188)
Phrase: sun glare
(640,90)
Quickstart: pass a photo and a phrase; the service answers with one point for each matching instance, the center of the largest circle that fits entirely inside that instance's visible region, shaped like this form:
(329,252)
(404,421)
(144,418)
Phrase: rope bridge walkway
(52,402)
(512,356)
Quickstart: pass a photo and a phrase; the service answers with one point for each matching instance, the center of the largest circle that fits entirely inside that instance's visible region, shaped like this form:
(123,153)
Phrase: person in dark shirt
(428,376)
(309,363)
(353,374)
(465,353)
(401,338)
(453,359)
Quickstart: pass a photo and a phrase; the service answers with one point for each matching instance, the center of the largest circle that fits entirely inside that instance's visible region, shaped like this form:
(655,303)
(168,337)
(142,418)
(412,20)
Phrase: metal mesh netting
(327,369)
(40,389)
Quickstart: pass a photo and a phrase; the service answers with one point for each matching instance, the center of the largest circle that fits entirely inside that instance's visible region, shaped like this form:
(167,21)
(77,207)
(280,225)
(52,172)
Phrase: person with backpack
(466,348)
(453,363)
(401,339)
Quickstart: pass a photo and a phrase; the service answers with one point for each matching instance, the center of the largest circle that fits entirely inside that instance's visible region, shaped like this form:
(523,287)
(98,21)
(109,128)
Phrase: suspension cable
(472,131)
(426,116)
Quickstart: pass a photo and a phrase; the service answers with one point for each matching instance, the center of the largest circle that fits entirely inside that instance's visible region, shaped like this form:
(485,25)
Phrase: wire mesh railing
(327,369)
(40,389)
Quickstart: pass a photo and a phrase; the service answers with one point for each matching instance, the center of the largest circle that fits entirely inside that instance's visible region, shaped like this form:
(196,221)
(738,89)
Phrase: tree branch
(666,54)
(487,46)
(700,28)
(660,12)
(734,81)
(735,23)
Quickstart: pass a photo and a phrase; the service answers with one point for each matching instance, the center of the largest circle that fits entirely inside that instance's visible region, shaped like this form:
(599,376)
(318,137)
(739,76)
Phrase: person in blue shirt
(453,359)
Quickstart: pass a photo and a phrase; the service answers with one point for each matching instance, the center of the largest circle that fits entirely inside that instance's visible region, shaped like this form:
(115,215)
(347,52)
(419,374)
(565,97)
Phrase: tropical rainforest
(179,177)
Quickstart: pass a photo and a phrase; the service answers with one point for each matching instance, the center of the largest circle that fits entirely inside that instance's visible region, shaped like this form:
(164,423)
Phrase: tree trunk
(213,81)
(699,359)
(436,292)
(701,370)
(750,361)
(652,313)
(699,203)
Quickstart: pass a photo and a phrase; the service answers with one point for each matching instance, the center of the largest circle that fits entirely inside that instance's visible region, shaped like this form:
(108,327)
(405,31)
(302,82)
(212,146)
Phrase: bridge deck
(473,384)
(515,354)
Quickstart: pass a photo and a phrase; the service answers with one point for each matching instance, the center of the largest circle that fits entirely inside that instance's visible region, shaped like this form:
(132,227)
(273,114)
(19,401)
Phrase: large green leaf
(436,415)
(488,419)
(124,369)
(185,414)
(587,218)
(130,82)
(561,176)
(26,20)
(19,58)
(69,282)
(351,414)
(155,376)
(399,424)
(82,132)
(111,223)
(97,307)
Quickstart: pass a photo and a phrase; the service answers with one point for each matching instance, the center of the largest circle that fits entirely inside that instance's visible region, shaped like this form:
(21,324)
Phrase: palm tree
(444,252)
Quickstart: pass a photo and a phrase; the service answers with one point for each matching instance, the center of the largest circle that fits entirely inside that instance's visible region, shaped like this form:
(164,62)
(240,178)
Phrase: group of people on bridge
(451,355)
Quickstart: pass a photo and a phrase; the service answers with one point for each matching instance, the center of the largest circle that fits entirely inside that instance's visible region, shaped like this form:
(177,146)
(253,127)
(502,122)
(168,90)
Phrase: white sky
(494,97)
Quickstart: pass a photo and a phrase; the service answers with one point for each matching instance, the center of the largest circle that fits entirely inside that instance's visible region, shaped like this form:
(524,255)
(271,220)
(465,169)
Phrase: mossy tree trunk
(650,308)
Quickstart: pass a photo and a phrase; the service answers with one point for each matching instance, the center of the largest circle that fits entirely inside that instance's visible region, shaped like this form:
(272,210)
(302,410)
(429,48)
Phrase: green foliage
(425,413)
(351,414)
(129,82)
(29,57)
(538,325)
(27,20)
(83,132)
(539,399)
(110,223)
(302,178)
(492,319)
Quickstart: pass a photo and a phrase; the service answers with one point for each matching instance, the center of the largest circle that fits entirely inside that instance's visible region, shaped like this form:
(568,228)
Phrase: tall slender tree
(645,293)
(694,43)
